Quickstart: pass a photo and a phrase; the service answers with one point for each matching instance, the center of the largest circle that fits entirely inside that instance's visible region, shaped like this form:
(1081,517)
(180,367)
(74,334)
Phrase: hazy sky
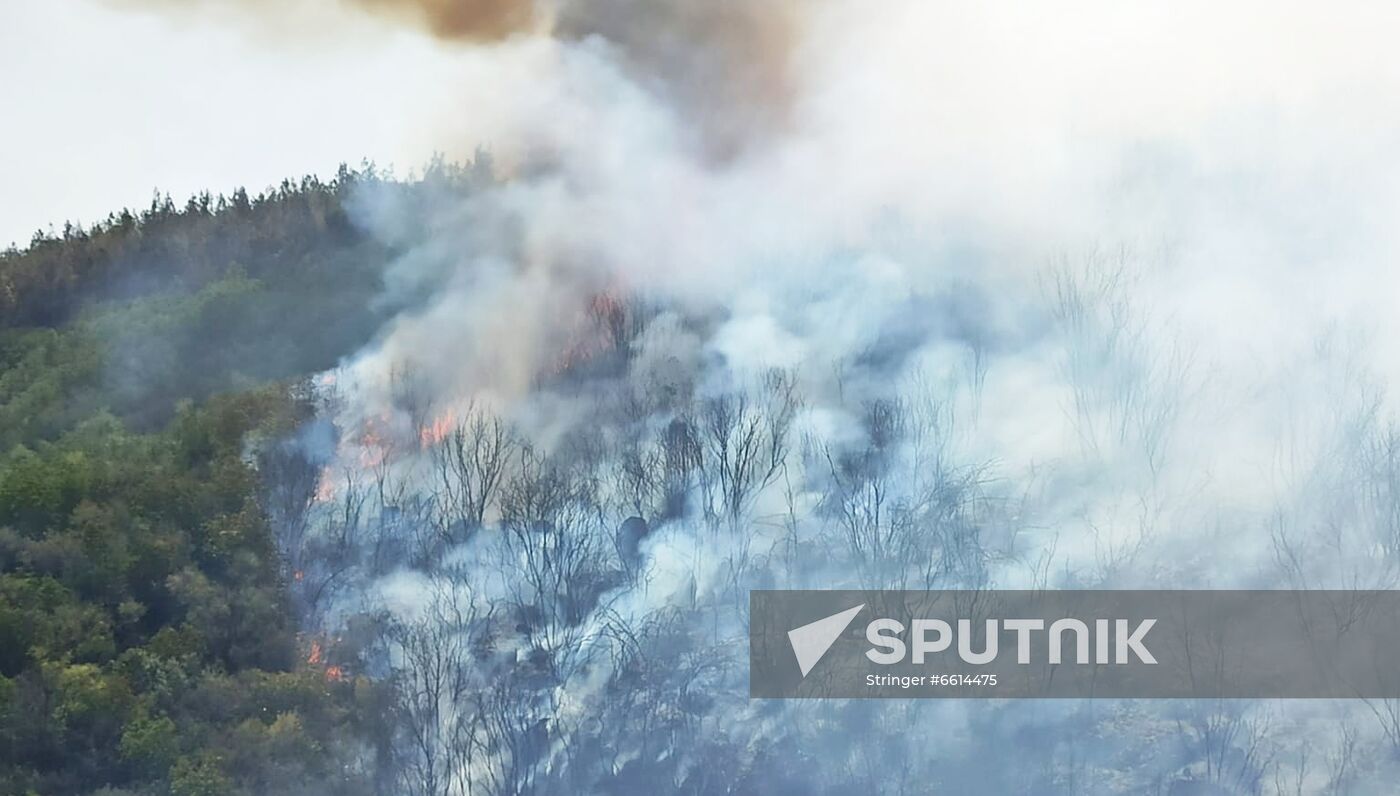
(101,104)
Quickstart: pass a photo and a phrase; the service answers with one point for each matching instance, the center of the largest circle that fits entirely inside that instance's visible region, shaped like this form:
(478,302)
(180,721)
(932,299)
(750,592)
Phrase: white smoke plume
(1083,295)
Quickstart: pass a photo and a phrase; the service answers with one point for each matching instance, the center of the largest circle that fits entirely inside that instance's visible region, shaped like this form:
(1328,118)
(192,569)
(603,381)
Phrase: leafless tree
(907,521)
(682,459)
(290,478)
(1233,746)
(553,553)
(638,477)
(469,464)
(411,393)
(1341,760)
(1126,389)
(513,733)
(434,685)
(877,534)
(1292,779)
(745,442)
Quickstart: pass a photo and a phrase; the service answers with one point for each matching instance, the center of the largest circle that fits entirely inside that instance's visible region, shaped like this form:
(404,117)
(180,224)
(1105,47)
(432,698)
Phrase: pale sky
(101,104)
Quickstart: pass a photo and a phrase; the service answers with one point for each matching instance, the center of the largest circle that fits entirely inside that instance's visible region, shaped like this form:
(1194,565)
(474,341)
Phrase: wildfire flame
(334,673)
(601,323)
(325,486)
(437,430)
(375,441)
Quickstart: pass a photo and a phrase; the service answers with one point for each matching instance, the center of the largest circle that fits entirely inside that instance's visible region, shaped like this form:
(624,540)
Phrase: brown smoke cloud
(725,63)
(467,20)
(723,66)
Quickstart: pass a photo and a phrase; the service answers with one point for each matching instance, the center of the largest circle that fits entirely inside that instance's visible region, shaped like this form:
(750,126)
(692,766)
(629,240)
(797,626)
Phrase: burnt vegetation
(188,599)
(217,576)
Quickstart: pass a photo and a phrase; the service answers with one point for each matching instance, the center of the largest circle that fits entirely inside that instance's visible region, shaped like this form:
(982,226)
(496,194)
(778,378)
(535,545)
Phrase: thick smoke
(1011,297)
(472,20)
(724,66)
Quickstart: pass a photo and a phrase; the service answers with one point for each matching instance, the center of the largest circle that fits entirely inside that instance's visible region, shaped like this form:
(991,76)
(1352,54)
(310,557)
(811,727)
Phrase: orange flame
(601,328)
(437,430)
(334,673)
(325,486)
(375,441)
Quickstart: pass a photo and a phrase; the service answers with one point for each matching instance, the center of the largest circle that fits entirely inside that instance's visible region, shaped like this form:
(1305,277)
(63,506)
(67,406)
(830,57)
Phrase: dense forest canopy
(146,642)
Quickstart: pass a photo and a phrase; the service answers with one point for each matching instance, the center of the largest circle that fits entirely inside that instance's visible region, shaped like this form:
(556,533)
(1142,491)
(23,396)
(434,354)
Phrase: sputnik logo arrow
(811,641)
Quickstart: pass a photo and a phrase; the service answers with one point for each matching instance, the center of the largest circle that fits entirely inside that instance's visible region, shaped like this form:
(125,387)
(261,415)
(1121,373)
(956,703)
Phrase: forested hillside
(146,642)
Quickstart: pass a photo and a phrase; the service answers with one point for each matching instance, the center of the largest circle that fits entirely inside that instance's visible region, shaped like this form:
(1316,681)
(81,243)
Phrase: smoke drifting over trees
(899,341)
(802,296)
